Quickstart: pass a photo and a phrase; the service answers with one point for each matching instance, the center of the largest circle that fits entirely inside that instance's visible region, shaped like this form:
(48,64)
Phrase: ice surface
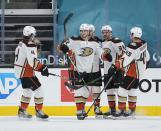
(57,123)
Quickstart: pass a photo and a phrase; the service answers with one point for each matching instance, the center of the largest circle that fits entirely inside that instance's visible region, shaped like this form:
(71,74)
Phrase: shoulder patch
(97,39)
(26,42)
(116,40)
(134,45)
(92,39)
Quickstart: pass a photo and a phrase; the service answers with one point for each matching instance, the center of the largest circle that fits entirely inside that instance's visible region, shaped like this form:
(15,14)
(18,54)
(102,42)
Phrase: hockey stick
(49,73)
(65,21)
(78,72)
(99,95)
(67,78)
(87,84)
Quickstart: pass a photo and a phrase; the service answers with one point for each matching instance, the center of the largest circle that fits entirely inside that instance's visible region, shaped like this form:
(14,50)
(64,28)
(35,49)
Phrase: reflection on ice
(55,123)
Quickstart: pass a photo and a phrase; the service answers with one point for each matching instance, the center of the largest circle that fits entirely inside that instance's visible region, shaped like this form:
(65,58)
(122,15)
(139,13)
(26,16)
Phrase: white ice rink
(55,123)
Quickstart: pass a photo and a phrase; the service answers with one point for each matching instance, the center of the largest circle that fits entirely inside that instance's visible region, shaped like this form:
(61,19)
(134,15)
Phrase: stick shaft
(100,94)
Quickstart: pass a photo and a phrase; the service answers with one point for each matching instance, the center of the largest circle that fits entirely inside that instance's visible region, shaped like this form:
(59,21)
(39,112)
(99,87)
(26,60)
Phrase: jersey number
(143,56)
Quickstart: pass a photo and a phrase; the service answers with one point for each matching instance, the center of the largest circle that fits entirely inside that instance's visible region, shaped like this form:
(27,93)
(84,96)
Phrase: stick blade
(71,86)
(67,18)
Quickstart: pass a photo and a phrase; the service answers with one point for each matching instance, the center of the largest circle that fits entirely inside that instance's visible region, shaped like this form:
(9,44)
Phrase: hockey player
(115,47)
(96,68)
(83,50)
(91,34)
(25,64)
(134,63)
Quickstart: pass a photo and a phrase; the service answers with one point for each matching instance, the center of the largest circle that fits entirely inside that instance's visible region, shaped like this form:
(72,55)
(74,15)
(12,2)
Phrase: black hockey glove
(112,70)
(118,78)
(109,57)
(64,48)
(82,75)
(44,71)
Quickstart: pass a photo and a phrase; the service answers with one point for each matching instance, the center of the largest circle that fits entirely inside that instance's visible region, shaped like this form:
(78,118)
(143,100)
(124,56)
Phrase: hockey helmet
(28,30)
(136,32)
(91,27)
(84,27)
(106,27)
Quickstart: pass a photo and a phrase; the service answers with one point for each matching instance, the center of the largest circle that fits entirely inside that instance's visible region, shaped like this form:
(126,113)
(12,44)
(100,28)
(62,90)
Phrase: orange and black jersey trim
(114,40)
(137,45)
(26,42)
(79,38)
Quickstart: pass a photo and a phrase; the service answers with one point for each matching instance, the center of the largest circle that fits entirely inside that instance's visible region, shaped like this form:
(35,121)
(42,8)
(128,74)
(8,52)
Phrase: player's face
(107,35)
(91,32)
(84,33)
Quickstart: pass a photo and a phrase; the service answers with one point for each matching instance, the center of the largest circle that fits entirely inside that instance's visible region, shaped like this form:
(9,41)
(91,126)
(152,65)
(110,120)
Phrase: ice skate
(110,113)
(41,115)
(81,114)
(120,114)
(22,114)
(130,114)
(98,113)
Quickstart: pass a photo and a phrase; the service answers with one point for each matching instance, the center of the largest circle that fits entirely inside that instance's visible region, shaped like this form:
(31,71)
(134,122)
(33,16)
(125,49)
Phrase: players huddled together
(123,68)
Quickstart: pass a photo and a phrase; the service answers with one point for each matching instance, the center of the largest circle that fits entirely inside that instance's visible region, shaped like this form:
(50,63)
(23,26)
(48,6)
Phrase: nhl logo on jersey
(87,51)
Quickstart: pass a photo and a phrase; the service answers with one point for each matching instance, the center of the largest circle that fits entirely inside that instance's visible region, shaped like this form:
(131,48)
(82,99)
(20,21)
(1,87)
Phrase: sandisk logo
(8,83)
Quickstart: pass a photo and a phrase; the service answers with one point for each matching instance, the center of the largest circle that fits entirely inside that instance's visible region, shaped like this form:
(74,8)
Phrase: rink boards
(58,100)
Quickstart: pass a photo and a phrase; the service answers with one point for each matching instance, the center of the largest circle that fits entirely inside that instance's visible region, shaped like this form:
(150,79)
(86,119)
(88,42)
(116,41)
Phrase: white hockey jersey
(26,59)
(116,48)
(135,59)
(84,52)
(97,61)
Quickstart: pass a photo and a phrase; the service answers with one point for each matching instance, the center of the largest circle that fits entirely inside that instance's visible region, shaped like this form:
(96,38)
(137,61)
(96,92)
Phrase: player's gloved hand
(65,42)
(64,48)
(82,75)
(108,57)
(112,70)
(118,77)
(44,71)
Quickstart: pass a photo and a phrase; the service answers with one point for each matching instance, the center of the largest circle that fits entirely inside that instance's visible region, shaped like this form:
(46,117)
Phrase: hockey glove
(108,57)
(118,78)
(44,71)
(82,75)
(112,70)
(64,48)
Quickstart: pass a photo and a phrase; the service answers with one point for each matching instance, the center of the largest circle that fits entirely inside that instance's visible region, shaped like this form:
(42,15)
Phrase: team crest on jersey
(87,51)
(107,50)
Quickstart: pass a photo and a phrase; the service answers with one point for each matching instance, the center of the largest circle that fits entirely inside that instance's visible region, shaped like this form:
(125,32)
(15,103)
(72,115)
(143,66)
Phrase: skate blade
(118,118)
(81,118)
(24,119)
(130,118)
(42,119)
(107,117)
(123,118)
(99,116)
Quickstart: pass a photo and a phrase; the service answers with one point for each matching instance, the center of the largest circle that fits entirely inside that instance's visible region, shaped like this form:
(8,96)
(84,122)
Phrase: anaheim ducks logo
(107,50)
(86,51)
